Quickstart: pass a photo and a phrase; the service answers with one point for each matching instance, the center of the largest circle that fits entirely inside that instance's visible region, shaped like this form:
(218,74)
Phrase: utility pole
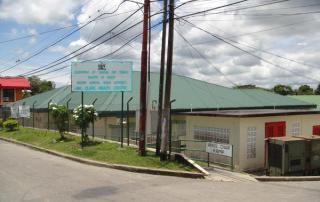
(162,63)
(143,81)
(166,109)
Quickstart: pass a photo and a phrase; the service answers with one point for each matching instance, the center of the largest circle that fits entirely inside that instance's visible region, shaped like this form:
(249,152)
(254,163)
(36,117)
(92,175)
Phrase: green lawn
(100,151)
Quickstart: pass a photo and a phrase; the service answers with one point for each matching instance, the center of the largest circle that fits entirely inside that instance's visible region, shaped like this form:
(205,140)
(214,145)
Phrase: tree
(305,90)
(246,86)
(283,89)
(317,90)
(84,119)
(60,114)
(39,86)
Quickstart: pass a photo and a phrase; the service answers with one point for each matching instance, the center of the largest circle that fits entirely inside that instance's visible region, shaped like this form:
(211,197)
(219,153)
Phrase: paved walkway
(28,175)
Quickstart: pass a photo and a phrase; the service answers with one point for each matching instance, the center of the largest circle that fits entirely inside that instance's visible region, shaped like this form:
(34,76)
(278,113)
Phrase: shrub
(60,114)
(10,124)
(1,123)
(84,119)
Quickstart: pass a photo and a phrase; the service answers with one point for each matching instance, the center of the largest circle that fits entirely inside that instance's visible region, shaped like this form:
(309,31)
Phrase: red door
(316,130)
(273,129)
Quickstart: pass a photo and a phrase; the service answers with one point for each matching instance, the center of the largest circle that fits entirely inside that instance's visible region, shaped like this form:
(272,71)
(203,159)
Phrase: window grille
(251,142)
(211,134)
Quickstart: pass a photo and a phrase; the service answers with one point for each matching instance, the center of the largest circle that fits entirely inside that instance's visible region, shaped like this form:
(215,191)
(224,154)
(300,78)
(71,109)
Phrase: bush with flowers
(84,119)
(60,114)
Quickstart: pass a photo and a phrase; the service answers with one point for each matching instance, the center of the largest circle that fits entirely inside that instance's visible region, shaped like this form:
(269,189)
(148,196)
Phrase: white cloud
(294,37)
(38,11)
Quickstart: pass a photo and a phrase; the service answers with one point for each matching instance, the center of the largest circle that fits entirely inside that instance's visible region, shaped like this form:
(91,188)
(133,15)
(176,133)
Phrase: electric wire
(249,53)
(58,41)
(101,36)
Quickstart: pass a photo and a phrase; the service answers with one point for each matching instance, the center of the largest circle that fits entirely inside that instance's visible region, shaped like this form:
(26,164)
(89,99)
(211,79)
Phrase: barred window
(251,142)
(211,134)
(295,130)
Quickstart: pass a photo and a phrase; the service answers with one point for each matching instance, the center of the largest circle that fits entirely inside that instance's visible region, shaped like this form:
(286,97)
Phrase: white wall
(306,123)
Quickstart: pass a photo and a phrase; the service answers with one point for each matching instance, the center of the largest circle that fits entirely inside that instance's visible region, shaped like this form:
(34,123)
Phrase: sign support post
(95,100)
(128,122)
(82,129)
(121,137)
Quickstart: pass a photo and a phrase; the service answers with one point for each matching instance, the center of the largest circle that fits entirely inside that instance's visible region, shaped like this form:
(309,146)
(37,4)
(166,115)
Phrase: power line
(101,36)
(208,61)
(104,56)
(211,9)
(61,39)
(48,66)
(247,52)
(215,8)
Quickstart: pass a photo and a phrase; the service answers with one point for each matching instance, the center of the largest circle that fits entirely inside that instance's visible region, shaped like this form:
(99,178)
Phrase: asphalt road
(28,175)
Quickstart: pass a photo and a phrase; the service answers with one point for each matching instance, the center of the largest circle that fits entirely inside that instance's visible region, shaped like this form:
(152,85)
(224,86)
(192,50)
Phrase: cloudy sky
(262,42)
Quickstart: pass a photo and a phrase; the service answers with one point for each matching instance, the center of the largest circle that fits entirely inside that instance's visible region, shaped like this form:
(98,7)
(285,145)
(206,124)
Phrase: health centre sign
(101,76)
(218,148)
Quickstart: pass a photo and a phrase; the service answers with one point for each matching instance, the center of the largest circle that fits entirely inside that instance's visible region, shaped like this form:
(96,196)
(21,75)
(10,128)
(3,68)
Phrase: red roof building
(11,88)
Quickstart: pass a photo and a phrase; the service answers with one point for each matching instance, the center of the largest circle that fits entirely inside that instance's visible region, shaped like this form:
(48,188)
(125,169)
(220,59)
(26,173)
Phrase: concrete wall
(218,122)
(108,128)
(306,123)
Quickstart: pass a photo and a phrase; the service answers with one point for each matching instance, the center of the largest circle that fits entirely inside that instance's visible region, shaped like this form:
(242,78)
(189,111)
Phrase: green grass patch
(98,150)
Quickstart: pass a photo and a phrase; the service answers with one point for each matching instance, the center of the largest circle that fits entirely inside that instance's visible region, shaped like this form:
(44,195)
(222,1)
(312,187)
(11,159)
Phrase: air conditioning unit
(6,99)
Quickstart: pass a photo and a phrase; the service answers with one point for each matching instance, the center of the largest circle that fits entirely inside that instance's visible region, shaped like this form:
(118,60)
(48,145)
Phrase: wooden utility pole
(162,63)
(143,81)
(166,109)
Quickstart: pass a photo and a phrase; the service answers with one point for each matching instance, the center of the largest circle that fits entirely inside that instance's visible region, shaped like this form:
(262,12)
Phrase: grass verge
(99,151)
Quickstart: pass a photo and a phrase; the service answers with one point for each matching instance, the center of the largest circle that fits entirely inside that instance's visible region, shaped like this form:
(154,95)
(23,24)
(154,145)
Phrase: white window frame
(251,142)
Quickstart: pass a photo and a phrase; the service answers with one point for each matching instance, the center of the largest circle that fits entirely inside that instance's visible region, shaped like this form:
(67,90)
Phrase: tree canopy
(39,86)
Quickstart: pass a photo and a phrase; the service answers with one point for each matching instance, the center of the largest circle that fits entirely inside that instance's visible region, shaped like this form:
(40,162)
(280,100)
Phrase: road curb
(288,179)
(135,169)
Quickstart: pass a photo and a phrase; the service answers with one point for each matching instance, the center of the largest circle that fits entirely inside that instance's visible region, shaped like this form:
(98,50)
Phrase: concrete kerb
(288,178)
(135,169)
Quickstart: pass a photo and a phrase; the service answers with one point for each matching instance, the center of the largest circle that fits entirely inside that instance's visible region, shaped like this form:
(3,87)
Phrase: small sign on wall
(218,148)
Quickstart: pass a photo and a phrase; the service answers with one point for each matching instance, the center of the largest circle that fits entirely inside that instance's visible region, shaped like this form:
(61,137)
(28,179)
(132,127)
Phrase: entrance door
(273,129)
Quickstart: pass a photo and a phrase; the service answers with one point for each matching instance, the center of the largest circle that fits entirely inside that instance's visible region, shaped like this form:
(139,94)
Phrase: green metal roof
(312,99)
(189,94)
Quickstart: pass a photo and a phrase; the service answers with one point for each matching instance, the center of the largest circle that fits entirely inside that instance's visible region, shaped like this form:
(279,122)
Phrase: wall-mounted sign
(101,76)
(220,149)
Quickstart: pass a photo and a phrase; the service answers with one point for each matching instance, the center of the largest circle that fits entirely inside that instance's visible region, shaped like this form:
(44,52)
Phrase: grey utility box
(286,156)
(312,155)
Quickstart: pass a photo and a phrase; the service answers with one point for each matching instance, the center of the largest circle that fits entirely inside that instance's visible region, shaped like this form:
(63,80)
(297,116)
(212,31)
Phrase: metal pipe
(121,124)
(82,120)
(33,113)
(49,114)
(95,100)
(68,114)
(170,128)
(128,123)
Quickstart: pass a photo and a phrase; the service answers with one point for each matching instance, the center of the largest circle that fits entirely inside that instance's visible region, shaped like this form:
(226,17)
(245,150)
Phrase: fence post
(33,113)
(49,114)
(208,159)
(232,164)
(128,123)
(93,119)
(68,114)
